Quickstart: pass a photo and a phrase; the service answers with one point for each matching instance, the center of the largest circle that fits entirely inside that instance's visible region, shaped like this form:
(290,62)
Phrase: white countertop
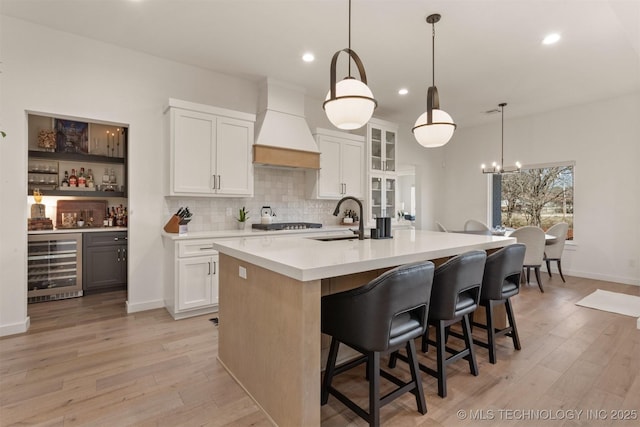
(78,230)
(224,234)
(304,259)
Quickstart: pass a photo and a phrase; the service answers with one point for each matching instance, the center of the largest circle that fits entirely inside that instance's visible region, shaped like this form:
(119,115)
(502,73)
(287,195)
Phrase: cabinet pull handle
(209,268)
(118,254)
(219,182)
(214,182)
(214,267)
(124,255)
(208,248)
(115,238)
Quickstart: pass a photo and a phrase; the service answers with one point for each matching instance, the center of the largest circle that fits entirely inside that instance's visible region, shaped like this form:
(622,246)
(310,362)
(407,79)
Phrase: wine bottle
(65,179)
(73,179)
(82,180)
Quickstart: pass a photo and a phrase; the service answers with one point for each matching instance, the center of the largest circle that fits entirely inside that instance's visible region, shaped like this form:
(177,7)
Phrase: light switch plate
(242,272)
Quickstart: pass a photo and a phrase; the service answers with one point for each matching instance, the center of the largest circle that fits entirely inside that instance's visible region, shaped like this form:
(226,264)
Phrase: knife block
(173,225)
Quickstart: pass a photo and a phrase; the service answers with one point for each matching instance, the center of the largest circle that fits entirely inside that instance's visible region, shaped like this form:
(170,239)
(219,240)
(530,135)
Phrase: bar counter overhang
(269,333)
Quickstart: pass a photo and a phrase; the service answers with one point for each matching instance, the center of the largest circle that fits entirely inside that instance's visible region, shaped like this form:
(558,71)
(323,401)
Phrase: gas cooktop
(286,226)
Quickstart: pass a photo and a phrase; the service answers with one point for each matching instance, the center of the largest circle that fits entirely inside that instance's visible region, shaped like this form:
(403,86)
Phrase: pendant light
(435,127)
(500,168)
(349,103)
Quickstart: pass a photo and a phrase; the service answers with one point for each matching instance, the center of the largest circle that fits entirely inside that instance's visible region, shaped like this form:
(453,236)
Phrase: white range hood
(283,136)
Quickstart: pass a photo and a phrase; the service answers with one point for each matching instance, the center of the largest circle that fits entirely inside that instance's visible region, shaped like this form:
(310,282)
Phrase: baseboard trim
(603,277)
(15,328)
(143,306)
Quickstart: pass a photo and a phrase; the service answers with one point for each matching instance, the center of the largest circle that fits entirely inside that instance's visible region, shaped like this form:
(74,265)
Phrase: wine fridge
(54,268)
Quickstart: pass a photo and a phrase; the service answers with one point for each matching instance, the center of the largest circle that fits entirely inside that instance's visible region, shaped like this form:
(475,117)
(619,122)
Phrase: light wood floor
(85,362)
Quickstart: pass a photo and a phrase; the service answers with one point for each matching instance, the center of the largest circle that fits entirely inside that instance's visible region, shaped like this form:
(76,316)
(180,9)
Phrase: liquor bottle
(65,180)
(105,176)
(90,182)
(73,179)
(82,180)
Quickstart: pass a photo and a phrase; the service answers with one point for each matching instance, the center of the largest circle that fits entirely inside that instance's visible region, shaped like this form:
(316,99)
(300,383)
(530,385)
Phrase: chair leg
(491,333)
(393,358)
(441,359)
(328,372)
(512,322)
(374,388)
(560,270)
(415,376)
(537,271)
(468,339)
(548,261)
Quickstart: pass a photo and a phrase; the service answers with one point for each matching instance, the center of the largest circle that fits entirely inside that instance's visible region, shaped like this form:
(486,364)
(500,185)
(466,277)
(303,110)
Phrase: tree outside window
(536,196)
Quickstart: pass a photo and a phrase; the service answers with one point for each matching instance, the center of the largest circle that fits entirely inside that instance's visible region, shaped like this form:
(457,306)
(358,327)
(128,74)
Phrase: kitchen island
(270,290)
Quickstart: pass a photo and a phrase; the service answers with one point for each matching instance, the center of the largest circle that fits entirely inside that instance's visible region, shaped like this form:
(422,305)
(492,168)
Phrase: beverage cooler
(54,266)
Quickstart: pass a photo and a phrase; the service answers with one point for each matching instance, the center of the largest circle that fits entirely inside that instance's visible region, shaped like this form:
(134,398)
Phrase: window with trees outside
(539,196)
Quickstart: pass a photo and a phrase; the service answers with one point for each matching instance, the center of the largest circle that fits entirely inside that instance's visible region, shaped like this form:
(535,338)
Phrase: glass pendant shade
(436,134)
(353,105)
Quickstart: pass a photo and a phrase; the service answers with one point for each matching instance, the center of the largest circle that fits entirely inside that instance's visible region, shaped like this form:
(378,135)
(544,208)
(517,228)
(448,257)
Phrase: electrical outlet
(242,272)
(229,212)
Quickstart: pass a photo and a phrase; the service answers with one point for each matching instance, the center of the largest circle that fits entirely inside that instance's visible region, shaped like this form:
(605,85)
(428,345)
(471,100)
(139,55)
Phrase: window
(540,196)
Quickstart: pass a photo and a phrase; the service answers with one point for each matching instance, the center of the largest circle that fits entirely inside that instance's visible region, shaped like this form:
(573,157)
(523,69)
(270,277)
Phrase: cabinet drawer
(105,238)
(195,248)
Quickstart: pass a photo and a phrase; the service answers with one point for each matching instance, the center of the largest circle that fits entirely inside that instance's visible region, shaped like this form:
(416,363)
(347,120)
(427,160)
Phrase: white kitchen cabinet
(191,281)
(342,173)
(382,196)
(210,151)
(381,145)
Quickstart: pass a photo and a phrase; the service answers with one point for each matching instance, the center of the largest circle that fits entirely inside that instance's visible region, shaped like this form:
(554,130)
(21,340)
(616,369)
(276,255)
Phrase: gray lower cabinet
(104,261)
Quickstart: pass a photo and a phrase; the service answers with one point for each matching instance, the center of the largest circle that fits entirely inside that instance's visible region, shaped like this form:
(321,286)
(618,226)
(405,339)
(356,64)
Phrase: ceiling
(487,51)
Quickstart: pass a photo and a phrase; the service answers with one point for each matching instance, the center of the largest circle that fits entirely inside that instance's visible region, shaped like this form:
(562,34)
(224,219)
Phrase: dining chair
(553,249)
(382,316)
(441,227)
(533,238)
(476,226)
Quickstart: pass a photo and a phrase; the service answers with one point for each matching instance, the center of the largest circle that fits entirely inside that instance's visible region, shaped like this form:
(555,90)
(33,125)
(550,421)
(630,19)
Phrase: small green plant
(2,133)
(243,215)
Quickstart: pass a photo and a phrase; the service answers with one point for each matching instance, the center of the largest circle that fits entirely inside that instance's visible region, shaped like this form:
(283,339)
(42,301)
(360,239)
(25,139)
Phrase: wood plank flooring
(85,362)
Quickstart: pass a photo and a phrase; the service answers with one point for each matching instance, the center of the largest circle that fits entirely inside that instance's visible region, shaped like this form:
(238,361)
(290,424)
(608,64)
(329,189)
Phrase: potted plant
(243,218)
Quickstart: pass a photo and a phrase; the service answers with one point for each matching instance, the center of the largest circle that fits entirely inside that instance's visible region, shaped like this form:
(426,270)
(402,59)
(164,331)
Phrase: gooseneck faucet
(361,227)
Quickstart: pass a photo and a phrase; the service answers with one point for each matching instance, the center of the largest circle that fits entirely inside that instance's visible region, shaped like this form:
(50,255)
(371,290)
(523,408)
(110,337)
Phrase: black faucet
(360,231)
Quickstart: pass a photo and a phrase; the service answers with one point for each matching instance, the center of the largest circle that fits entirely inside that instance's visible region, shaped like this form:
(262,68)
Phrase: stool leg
(548,261)
(374,388)
(415,376)
(491,333)
(425,340)
(512,323)
(468,339)
(328,372)
(442,357)
(393,358)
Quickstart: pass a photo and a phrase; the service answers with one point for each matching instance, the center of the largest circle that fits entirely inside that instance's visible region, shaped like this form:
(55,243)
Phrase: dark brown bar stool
(384,315)
(501,281)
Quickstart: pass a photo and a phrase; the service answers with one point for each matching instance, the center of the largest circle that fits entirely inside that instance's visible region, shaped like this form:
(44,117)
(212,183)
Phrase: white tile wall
(281,189)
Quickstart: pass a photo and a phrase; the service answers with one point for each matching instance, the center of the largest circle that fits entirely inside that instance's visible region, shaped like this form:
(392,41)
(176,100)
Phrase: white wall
(603,138)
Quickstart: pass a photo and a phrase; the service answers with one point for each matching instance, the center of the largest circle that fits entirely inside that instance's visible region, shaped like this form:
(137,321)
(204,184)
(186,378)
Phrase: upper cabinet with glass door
(382,139)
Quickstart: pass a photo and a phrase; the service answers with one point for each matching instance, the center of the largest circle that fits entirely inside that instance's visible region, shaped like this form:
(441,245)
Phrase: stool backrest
(460,274)
(473,225)
(502,267)
(363,316)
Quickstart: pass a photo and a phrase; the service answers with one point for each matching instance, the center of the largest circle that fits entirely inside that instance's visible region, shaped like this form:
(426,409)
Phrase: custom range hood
(283,136)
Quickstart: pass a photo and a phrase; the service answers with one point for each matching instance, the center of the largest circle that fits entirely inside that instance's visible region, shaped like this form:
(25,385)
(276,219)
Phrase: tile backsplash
(281,189)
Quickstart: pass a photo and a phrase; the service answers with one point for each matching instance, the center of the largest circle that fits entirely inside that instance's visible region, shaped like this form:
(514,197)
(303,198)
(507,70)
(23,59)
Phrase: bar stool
(501,281)
(455,294)
(384,315)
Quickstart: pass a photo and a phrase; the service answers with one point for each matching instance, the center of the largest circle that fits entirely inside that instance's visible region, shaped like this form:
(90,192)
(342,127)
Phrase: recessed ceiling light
(403,91)
(308,57)
(551,38)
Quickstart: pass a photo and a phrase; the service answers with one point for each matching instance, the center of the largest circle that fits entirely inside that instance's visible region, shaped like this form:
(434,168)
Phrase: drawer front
(196,248)
(105,238)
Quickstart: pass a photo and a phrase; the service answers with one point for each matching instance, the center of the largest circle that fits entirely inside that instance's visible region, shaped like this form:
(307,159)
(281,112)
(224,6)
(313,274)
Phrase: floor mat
(614,302)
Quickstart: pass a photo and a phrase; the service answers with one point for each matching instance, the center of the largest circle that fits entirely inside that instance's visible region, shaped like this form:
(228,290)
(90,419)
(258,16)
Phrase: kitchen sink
(333,238)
